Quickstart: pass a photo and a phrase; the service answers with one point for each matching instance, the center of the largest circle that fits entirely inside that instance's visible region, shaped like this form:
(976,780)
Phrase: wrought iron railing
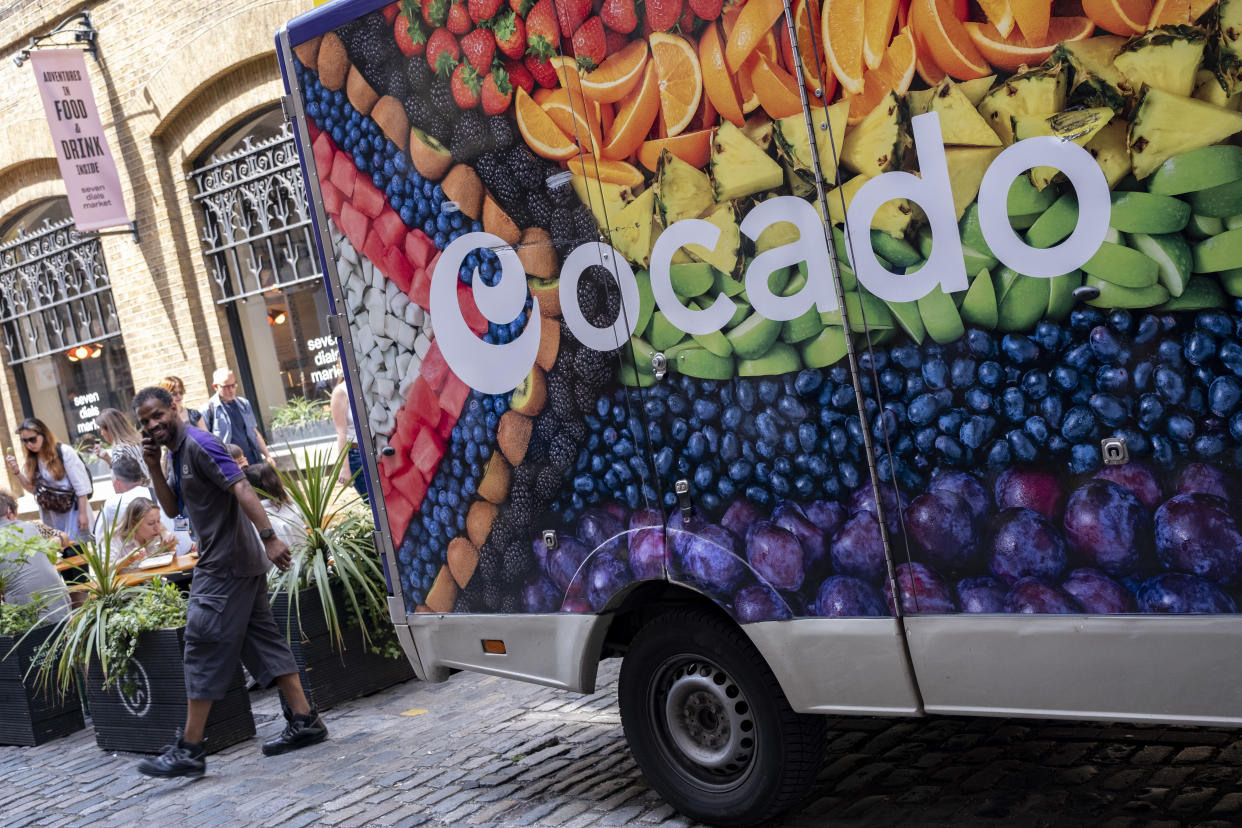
(54,292)
(256,221)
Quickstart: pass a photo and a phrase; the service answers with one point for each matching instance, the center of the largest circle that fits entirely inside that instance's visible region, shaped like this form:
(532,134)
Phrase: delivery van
(810,356)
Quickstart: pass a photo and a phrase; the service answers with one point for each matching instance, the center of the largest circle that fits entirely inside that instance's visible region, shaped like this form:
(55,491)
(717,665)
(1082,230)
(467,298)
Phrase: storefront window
(260,255)
(61,336)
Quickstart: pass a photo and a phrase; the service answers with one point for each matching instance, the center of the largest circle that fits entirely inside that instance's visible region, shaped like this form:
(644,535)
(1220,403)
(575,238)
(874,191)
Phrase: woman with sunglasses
(188,416)
(57,477)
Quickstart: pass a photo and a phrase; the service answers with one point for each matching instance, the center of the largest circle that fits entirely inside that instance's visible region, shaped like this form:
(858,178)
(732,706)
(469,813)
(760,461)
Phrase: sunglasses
(229,385)
(30,441)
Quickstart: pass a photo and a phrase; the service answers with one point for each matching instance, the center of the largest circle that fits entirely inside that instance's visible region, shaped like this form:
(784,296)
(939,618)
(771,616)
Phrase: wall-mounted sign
(86,163)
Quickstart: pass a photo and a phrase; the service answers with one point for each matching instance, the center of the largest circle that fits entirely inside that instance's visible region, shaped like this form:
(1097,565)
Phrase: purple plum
(1138,478)
(826,515)
(541,553)
(607,575)
(647,544)
(941,526)
(980,595)
(1107,525)
(576,597)
(601,530)
(759,602)
(790,516)
(679,531)
(857,549)
(1030,489)
(892,499)
(1035,596)
(844,597)
(966,486)
(1025,543)
(1176,592)
(739,516)
(1097,593)
(1196,533)
(922,590)
(710,561)
(617,510)
(1205,479)
(775,554)
(564,561)
(540,595)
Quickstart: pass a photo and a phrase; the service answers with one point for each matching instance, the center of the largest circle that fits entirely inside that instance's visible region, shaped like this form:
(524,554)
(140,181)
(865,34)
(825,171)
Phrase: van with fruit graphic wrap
(812,356)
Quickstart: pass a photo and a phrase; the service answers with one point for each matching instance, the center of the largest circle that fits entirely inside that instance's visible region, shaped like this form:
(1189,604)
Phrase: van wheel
(708,724)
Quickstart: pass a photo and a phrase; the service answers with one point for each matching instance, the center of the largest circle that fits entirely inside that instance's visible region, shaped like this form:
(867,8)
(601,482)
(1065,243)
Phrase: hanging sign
(86,163)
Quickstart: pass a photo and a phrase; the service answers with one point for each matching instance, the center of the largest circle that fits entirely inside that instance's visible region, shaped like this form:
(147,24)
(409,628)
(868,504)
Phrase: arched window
(260,252)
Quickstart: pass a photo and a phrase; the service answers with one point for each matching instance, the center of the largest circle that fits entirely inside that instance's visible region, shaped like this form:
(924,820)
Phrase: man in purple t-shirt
(228,616)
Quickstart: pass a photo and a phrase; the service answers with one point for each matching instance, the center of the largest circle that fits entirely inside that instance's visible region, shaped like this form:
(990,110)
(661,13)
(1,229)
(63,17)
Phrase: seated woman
(284,516)
(140,534)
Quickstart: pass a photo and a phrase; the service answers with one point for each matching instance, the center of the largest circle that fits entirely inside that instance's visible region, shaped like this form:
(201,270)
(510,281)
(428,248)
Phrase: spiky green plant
(338,554)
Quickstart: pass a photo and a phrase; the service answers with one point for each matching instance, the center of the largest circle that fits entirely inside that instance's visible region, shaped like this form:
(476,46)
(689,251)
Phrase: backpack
(60,451)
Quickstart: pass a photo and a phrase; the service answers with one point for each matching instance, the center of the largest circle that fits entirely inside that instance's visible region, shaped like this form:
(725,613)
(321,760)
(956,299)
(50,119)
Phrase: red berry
(465,86)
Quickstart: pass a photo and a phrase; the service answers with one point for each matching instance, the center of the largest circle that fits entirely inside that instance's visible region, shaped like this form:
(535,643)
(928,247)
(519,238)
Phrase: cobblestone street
(483,751)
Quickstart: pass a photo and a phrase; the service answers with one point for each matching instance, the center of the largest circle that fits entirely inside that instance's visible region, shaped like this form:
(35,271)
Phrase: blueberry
(679,430)
(791,409)
(1170,385)
(980,343)
(907,357)
(891,381)
(950,449)
(1214,322)
(1013,405)
(1021,446)
(923,409)
(950,422)
(1064,377)
(1035,384)
(1078,424)
(1019,349)
(1050,409)
(1084,458)
(979,400)
(998,455)
(1180,427)
(807,382)
(962,372)
(935,374)
(1037,429)
(1162,450)
(1224,394)
(914,385)
(1048,335)
(1231,357)
(1078,357)
(1108,409)
(1170,351)
(975,431)
(768,391)
(925,439)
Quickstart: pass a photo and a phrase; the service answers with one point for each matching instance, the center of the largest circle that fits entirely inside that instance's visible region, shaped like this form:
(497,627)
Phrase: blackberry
(507,192)
(516,562)
(546,429)
(370,46)
(462,604)
(560,395)
(509,604)
(489,564)
(584,223)
(562,195)
(491,598)
(501,132)
(540,208)
(525,166)
(561,225)
(562,452)
(419,75)
(598,296)
(548,483)
(584,396)
(441,95)
(470,137)
(591,365)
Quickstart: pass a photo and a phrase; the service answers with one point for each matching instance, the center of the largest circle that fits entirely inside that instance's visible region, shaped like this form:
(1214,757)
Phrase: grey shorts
(229,618)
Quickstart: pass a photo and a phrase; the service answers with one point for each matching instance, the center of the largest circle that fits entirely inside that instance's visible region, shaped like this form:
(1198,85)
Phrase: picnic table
(178,566)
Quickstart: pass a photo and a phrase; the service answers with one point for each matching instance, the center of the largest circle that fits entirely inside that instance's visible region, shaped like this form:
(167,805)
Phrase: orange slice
(614,172)
(1178,12)
(539,131)
(695,148)
(636,112)
(999,14)
(842,32)
(752,23)
(878,30)
(924,66)
(894,74)
(1013,51)
(776,88)
(815,73)
(617,75)
(1122,17)
(903,13)
(1032,18)
(568,73)
(961,9)
(947,40)
(681,79)
(579,122)
(718,82)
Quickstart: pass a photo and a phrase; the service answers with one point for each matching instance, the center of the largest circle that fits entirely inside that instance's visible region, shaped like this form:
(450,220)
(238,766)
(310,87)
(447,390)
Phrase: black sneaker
(300,732)
(181,759)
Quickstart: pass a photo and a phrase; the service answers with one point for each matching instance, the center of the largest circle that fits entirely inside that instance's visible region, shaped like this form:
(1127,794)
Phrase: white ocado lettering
(495,369)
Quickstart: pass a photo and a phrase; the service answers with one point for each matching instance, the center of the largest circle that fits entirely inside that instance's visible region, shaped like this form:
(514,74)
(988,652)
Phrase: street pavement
(484,751)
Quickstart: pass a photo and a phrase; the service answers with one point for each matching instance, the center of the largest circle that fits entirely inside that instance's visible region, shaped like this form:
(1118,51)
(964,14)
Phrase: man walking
(231,418)
(228,615)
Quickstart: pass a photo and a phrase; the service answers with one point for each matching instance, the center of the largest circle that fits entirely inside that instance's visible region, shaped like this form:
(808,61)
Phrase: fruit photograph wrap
(635,182)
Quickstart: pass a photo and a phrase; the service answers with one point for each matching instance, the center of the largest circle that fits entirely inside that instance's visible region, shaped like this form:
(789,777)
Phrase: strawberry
(479,47)
(519,75)
(496,92)
(543,33)
(521,7)
(542,71)
(619,15)
(458,18)
(615,41)
(442,52)
(662,14)
(435,12)
(510,34)
(390,12)
(571,14)
(687,20)
(590,46)
(481,10)
(707,9)
(408,32)
(465,86)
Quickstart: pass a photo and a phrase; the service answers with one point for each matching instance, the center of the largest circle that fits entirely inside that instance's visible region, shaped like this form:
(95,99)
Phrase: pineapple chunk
(960,123)
(1165,58)
(878,142)
(725,255)
(1039,91)
(1111,151)
(1228,43)
(632,232)
(966,168)
(1077,125)
(794,145)
(1097,82)
(1210,88)
(894,217)
(1165,125)
(681,190)
(605,199)
(739,167)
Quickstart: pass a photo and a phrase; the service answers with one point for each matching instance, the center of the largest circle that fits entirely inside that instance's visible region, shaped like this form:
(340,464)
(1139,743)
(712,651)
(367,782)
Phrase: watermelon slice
(419,248)
(368,199)
(434,368)
(453,396)
(400,511)
(344,173)
(390,228)
(475,320)
(420,290)
(423,404)
(332,198)
(324,153)
(427,451)
(354,225)
(397,268)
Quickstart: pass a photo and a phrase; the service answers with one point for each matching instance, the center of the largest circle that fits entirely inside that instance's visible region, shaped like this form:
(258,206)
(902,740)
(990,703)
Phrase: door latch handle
(682,489)
(659,365)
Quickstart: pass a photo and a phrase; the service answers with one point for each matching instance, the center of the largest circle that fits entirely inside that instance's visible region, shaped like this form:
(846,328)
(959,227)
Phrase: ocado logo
(495,369)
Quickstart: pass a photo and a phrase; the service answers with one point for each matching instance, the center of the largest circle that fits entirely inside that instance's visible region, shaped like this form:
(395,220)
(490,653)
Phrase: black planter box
(148,717)
(330,676)
(29,715)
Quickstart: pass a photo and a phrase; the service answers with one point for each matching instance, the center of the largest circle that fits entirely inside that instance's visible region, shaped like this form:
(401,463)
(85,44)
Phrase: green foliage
(338,558)
(300,411)
(16,549)
(16,619)
(158,606)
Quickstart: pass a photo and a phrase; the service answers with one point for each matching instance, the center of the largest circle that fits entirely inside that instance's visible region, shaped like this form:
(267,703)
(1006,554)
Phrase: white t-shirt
(113,511)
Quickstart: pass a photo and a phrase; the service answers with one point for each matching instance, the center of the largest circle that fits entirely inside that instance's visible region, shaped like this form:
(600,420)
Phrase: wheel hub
(708,721)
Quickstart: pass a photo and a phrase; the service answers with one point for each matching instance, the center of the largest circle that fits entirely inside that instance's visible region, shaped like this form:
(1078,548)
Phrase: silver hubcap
(708,720)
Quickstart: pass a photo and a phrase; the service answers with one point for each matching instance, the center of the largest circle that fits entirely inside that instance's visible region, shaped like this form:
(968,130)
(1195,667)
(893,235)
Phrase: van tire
(745,756)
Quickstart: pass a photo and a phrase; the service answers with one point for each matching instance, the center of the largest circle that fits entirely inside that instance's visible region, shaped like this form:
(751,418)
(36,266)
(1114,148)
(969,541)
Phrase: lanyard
(176,461)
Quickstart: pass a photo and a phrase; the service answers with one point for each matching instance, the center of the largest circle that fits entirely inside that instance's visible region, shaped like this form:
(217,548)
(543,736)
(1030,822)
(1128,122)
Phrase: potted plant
(129,640)
(333,599)
(29,714)
(301,420)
